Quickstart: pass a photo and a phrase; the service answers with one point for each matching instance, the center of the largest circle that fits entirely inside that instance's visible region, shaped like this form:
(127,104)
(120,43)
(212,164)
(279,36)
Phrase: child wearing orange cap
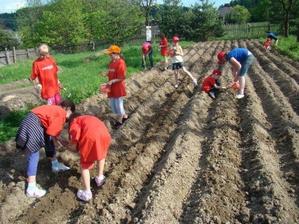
(147,51)
(164,49)
(211,85)
(117,75)
(40,128)
(44,71)
(177,61)
(92,140)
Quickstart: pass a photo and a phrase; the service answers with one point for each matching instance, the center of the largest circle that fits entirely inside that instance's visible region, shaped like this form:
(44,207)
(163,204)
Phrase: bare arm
(236,67)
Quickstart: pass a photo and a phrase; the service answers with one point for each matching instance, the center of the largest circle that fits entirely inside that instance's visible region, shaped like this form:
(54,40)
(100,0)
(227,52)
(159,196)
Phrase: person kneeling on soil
(41,128)
(92,140)
(147,52)
(117,76)
(211,85)
(176,54)
(240,60)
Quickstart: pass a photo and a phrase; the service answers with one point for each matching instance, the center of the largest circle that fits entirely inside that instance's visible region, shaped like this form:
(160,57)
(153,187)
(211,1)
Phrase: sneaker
(84,195)
(212,94)
(35,193)
(240,96)
(100,181)
(194,82)
(59,167)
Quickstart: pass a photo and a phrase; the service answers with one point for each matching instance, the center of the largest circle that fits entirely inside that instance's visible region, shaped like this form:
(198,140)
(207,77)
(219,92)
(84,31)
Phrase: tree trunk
(286,24)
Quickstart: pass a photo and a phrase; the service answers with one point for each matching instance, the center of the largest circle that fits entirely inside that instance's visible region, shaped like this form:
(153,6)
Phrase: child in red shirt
(211,85)
(268,43)
(117,76)
(92,140)
(164,49)
(147,51)
(45,70)
(39,129)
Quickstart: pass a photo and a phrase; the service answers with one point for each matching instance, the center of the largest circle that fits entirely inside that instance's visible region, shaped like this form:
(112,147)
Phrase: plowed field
(181,157)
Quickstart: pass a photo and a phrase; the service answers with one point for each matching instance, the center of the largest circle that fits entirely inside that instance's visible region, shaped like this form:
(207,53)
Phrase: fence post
(14,55)
(7,56)
(28,53)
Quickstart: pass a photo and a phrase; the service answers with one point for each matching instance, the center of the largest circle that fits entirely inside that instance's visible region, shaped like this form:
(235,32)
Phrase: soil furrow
(268,191)
(279,62)
(286,84)
(148,153)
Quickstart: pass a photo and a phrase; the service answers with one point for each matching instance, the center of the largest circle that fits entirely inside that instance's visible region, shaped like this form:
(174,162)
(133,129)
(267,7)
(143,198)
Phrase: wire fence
(249,30)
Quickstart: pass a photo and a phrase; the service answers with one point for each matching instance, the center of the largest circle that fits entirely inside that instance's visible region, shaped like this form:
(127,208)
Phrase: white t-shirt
(178,57)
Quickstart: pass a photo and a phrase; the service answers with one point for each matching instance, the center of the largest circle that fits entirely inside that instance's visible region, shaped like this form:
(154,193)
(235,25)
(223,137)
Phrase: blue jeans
(117,105)
(33,157)
(246,65)
(32,162)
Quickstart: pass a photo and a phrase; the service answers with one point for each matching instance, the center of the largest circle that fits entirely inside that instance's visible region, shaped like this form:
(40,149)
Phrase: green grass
(10,124)
(289,46)
(79,75)
(79,72)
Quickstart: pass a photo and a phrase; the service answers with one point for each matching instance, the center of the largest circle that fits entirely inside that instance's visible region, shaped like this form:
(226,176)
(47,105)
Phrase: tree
(286,7)
(7,40)
(207,22)
(27,19)
(62,23)
(114,24)
(146,7)
(239,14)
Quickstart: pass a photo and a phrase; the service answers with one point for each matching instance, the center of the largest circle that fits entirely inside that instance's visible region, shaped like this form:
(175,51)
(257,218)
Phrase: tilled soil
(181,157)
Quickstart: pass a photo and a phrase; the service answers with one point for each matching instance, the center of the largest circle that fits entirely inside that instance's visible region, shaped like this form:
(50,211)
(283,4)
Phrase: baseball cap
(221,55)
(113,49)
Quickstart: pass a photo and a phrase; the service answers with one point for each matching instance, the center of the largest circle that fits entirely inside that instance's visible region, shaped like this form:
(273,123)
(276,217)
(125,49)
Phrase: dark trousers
(150,57)
(49,146)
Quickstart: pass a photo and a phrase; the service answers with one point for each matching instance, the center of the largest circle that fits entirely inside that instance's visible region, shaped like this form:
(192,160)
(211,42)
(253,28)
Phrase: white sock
(31,186)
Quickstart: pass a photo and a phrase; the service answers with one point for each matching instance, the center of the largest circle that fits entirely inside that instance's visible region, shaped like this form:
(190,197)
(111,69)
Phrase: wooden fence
(12,56)
(249,30)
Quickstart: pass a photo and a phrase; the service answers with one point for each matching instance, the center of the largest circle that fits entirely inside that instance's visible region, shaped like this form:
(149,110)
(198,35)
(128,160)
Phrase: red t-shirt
(45,69)
(146,47)
(208,84)
(117,70)
(52,118)
(91,136)
(164,46)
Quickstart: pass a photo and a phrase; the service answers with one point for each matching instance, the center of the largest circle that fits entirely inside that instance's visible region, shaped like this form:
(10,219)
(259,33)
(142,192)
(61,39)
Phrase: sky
(13,5)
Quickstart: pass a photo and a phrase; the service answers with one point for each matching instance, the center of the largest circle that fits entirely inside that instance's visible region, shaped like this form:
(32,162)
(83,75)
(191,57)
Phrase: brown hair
(72,117)
(68,104)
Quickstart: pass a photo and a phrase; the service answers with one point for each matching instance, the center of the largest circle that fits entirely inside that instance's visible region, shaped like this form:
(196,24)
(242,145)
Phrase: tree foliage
(195,23)
(7,40)
(239,14)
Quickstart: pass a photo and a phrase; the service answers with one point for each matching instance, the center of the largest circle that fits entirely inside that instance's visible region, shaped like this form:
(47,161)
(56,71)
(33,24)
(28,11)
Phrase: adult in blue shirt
(240,60)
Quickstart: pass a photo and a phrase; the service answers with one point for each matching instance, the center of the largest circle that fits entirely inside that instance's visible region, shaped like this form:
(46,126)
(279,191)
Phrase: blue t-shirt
(240,54)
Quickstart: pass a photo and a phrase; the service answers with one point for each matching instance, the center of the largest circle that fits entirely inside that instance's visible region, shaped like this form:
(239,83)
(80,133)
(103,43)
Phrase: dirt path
(181,157)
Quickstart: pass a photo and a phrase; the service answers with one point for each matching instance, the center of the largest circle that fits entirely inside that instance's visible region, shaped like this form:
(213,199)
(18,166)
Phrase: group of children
(175,52)
(42,127)
(87,134)
(240,60)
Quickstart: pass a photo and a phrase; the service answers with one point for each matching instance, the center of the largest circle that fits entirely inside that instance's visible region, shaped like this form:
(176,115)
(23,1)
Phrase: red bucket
(105,88)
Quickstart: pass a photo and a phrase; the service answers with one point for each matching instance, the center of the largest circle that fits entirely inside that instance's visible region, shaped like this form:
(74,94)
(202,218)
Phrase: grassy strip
(79,72)
(288,46)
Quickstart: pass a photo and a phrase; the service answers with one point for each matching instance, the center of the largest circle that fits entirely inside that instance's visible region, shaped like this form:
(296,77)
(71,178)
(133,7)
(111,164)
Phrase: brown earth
(181,157)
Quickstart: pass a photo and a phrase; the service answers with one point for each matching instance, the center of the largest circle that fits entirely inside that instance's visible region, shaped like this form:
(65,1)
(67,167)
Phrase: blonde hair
(43,49)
